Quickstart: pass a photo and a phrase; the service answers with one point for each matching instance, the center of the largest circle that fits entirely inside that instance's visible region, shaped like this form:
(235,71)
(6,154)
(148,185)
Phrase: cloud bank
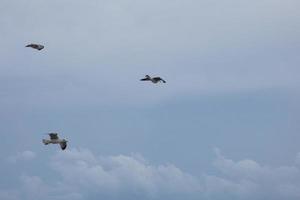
(247,179)
(84,175)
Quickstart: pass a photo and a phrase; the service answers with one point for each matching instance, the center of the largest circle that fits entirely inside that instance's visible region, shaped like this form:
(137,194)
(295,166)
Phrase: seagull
(153,80)
(54,139)
(35,46)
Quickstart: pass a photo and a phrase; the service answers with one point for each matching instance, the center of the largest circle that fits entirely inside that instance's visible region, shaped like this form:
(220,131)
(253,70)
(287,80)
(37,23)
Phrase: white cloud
(121,174)
(33,187)
(248,179)
(222,188)
(22,156)
(84,175)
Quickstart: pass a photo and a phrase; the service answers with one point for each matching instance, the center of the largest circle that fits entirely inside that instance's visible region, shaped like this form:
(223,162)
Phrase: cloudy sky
(225,126)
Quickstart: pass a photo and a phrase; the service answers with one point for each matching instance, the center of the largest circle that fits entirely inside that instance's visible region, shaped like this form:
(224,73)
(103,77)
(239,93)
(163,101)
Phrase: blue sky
(224,126)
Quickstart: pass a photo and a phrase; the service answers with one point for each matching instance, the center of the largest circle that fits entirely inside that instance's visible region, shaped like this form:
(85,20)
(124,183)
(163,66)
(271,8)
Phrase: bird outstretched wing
(40,47)
(63,145)
(159,79)
(163,80)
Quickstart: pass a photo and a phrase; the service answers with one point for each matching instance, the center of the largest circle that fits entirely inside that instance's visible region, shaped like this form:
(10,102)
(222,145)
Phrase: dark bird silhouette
(35,46)
(153,80)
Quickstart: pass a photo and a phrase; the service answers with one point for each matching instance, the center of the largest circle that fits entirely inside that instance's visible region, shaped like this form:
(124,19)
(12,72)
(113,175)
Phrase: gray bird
(54,139)
(35,46)
(153,80)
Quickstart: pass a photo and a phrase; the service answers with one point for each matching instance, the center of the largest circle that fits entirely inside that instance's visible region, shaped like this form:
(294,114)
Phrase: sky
(225,126)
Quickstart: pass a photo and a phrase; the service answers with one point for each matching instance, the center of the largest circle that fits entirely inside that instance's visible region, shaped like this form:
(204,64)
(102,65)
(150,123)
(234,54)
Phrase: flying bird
(35,46)
(54,139)
(153,80)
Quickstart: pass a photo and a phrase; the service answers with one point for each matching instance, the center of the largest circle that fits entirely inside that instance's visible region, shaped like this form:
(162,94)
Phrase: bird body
(35,46)
(153,80)
(54,139)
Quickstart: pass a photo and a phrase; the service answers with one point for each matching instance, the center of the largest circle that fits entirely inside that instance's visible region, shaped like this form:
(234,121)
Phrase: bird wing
(32,45)
(63,145)
(145,79)
(159,79)
(35,46)
(40,47)
(53,136)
